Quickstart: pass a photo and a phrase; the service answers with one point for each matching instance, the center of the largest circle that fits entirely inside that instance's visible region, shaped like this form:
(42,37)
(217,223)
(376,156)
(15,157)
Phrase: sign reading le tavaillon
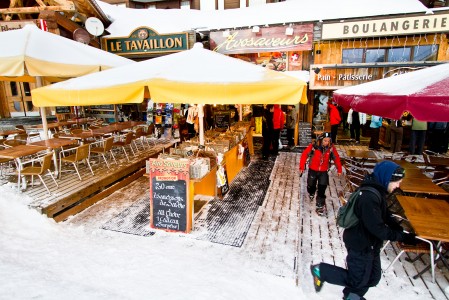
(145,40)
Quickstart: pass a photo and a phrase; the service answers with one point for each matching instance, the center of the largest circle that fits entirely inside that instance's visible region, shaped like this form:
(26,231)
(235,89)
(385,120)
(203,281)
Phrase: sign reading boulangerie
(170,205)
(267,39)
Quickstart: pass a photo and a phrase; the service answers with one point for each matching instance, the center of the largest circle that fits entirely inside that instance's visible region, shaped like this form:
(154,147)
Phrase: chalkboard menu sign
(305,134)
(222,119)
(62,109)
(170,206)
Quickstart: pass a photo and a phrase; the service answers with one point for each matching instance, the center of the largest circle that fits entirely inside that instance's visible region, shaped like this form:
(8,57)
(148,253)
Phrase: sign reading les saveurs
(268,39)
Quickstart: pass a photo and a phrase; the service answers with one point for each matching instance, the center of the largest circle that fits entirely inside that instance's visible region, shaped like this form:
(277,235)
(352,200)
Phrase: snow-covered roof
(125,20)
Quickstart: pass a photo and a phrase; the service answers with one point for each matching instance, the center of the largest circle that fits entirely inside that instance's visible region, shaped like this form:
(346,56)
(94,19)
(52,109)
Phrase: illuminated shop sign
(266,39)
(147,41)
(386,27)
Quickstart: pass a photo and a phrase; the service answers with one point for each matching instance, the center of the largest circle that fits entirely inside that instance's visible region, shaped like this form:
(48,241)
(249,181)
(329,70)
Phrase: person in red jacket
(321,153)
(334,119)
(278,125)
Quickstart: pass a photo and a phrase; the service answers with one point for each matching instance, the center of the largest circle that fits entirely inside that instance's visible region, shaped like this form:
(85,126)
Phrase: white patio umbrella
(29,54)
(195,76)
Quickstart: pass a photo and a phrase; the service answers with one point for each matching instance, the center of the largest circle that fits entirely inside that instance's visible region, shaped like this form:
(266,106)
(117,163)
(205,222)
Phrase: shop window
(26,89)
(425,53)
(185,4)
(17,106)
(374,55)
(14,89)
(399,54)
(351,56)
(29,105)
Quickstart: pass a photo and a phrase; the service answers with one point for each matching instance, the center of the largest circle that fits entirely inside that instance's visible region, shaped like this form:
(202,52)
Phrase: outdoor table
(405,164)
(5,133)
(361,154)
(18,152)
(80,136)
(430,220)
(438,161)
(421,186)
(415,173)
(52,144)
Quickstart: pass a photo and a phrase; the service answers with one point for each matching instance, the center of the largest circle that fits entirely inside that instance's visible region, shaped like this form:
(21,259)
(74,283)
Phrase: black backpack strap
(372,190)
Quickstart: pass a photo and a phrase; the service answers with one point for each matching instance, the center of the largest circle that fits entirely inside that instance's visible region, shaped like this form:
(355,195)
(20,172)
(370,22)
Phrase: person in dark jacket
(364,241)
(267,131)
(321,153)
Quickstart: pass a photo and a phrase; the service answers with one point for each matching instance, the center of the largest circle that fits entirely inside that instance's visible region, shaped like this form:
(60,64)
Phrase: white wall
(255,2)
(207,5)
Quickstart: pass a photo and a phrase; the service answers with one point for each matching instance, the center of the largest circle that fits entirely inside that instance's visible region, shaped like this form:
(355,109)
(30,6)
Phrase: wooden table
(438,161)
(415,173)
(405,164)
(361,154)
(18,152)
(429,218)
(5,133)
(421,186)
(80,136)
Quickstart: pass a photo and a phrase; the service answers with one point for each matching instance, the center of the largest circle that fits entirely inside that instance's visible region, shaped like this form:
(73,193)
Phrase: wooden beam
(41,4)
(35,9)
(65,23)
(100,196)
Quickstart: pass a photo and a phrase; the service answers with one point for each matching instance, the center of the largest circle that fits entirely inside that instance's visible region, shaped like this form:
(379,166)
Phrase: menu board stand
(304,134)
(171,207)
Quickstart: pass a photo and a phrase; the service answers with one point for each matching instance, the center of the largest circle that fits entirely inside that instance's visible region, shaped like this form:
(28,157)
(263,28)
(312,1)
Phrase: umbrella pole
(201,123)
(240,112)
(43,113)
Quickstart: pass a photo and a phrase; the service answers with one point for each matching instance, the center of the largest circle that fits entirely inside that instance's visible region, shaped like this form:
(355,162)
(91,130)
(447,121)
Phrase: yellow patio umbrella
(30,54)
(195,76)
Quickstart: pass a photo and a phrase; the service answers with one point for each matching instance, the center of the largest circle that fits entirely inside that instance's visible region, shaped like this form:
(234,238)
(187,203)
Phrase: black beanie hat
(398,174)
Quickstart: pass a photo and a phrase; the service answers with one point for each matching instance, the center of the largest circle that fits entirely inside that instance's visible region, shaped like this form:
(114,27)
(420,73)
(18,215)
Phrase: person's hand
(338,174)
(409,239)
(395,226)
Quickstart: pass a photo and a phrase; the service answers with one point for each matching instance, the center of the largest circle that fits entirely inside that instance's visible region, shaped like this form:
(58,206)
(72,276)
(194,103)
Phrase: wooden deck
(74,195)
(286,235)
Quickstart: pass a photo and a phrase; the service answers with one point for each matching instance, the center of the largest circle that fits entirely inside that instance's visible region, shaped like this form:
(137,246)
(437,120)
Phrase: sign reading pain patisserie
(170,208)
(145,40)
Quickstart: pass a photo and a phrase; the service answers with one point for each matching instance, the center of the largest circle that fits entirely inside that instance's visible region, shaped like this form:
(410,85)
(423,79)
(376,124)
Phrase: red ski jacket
(278,118)
(320,161)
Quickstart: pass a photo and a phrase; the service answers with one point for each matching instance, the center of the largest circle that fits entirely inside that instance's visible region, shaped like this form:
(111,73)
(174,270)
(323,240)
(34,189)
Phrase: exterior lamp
(255,29)
(289,31)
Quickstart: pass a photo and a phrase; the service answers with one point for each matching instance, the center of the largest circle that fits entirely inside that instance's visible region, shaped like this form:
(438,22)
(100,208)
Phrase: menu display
(304,134)
(222,119)
(62,109)
(170,206)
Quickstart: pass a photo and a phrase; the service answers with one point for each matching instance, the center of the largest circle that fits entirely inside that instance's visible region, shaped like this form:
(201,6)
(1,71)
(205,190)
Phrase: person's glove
(395,226)
(409,239)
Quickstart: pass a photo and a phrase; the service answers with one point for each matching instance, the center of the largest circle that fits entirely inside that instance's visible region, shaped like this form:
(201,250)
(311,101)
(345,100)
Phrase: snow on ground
(41,259)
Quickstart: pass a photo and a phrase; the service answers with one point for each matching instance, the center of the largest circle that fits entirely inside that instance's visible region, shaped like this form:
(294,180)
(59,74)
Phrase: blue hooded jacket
(383,171)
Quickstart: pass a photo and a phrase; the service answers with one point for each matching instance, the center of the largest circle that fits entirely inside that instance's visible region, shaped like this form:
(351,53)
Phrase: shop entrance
(18,96)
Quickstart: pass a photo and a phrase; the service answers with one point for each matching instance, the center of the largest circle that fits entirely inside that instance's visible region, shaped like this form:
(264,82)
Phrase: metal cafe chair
(81,153)
(423,247)
(39,171)
(126,142)
(107,147)
(30,135)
